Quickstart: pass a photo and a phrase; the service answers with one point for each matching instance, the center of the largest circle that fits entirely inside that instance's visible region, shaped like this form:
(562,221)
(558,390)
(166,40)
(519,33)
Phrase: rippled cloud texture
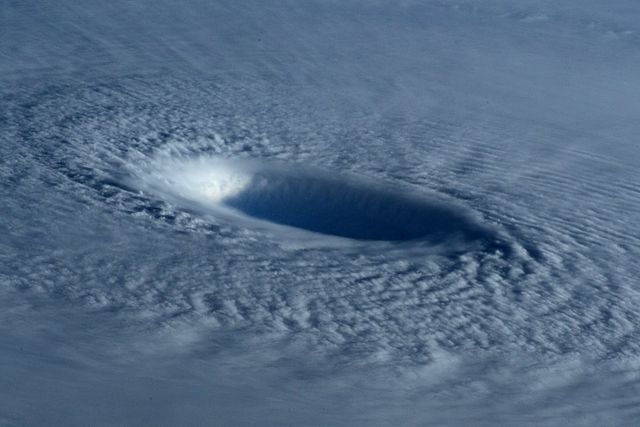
(319,213)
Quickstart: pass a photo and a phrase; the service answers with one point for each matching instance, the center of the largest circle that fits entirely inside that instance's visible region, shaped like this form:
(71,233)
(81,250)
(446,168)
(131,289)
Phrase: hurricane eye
(318,202)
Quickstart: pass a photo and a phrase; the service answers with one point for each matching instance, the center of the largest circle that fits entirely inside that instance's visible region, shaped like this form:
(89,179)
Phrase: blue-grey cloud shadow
(351,209)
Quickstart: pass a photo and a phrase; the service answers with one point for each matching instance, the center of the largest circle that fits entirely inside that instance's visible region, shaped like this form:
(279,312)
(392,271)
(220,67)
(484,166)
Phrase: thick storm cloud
(319,213)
